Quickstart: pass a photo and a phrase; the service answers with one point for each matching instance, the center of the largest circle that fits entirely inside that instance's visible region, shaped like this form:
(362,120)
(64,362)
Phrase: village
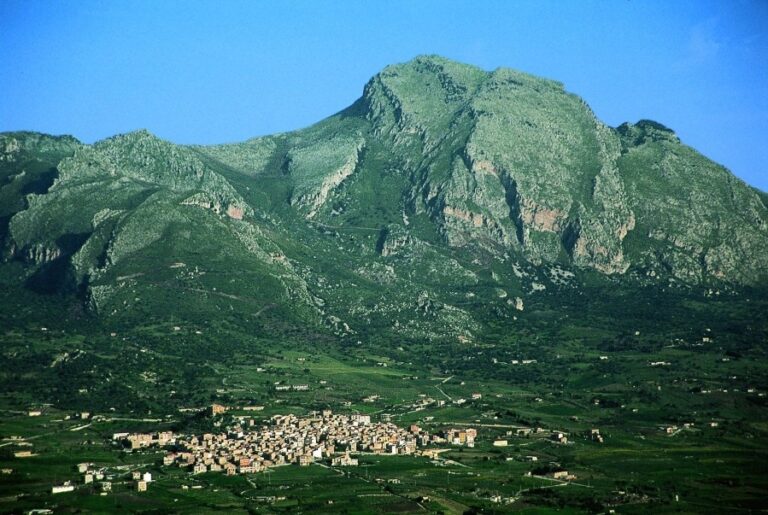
(243,444)
(288,439)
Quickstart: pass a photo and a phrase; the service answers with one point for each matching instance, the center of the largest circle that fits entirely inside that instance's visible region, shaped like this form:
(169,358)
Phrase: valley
(676,416)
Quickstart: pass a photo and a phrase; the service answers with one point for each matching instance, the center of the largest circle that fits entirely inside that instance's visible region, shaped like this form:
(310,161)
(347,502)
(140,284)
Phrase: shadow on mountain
(5,222)
(57,275)
(42,183)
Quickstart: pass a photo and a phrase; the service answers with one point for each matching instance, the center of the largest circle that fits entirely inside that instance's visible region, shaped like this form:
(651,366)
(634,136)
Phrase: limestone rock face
(506,160)
(320,171)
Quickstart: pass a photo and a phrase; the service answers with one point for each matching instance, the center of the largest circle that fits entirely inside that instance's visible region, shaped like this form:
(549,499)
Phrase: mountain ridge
(439,173)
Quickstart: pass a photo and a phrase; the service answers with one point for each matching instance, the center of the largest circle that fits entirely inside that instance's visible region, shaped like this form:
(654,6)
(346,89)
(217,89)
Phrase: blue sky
(213,72)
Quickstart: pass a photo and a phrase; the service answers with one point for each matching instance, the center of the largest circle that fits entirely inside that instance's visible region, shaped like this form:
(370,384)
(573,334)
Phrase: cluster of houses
(595,436)
(559,437)
(142,440)
(142,480)
(291,387)
(460,436)
(290,439)
(92,474)
(424,402)
(563,475)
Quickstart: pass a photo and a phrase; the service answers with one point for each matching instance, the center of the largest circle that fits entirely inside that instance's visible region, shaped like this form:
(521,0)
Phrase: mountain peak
(645,131)
(429,62)
(130,137)
(423,92)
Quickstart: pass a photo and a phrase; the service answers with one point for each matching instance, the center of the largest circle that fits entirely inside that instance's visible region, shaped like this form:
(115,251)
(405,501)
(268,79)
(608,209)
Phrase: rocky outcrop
(9,148)
(39,254)
(316,199)
(234,209)
(318,169)
(474,219)
(393,241)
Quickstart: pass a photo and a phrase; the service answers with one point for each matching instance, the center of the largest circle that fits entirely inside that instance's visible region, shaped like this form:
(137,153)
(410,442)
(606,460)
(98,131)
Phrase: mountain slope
(445,199)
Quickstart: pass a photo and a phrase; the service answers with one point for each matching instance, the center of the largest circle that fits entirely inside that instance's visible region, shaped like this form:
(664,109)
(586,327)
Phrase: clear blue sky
(213,72)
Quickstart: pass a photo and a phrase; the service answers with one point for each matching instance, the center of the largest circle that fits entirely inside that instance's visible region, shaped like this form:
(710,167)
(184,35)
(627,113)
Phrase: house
(461,436)
(139,440)
(559,437)
(147,477)
(344,461)
(216,409)
(248,467)
(141,486)
(471,435)
(61,489)
(560,474)
(199,468)
(163,438)
(499,443)
(361,420)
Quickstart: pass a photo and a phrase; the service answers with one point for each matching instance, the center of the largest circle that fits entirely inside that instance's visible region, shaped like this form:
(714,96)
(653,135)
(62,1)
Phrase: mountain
(443,200)
(458,249)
